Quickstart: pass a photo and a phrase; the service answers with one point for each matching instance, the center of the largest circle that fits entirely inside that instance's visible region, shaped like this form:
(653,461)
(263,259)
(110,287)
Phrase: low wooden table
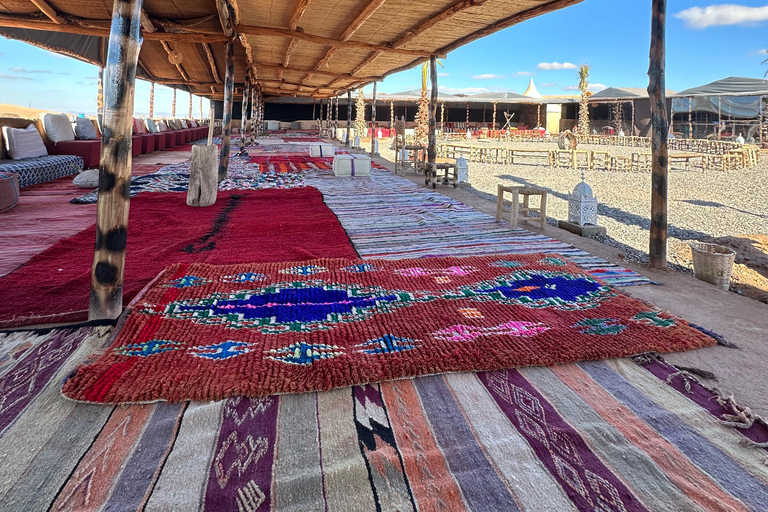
(516,208)
(450,176)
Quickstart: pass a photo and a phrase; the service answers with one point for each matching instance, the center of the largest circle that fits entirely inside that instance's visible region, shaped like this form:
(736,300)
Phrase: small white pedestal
(352,165)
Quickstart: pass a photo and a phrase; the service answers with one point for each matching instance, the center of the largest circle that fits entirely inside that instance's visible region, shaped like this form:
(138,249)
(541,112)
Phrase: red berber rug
(205,332)
(258,226)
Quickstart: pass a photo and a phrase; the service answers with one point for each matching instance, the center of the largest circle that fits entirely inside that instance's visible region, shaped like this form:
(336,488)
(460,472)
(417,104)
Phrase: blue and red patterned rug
(206,332)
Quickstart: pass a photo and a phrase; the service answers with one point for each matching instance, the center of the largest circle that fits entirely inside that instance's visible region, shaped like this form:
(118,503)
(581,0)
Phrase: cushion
(84,129)
(87,179)
(138,127)
(57,127)
(162,126)
(193,123)
(150,125)
(9,190)
(24,142)
(40,169)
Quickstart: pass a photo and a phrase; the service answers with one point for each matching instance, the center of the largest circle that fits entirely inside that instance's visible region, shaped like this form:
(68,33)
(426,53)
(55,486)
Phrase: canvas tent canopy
(734,97)
(315,48)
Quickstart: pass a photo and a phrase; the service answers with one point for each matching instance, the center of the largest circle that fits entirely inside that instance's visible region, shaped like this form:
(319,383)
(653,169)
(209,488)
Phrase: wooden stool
(516,209)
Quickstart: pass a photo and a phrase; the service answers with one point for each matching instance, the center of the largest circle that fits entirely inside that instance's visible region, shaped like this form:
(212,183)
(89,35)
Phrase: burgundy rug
(206,332)
(243,226)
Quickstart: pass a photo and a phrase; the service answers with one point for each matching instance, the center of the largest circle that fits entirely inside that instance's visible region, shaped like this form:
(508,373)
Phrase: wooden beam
(211,63)
(289,51)
(107,272)
(657,250)
(430,22)
(168,50)
(146,23)
(229,86)
(99,28)
(227,17)
(431,135)
(301,6)
(49,11)
(278,67)
(506,23)
(326,41)
(372,57)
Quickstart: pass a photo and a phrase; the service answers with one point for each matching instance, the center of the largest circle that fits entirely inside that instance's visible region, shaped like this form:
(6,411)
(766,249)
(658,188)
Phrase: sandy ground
(713,206)
(8,110)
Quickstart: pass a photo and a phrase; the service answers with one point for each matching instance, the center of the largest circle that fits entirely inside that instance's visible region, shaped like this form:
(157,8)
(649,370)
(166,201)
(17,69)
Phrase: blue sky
(705,42)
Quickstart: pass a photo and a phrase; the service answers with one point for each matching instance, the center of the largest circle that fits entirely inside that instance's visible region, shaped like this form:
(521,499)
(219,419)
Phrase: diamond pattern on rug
(332,323)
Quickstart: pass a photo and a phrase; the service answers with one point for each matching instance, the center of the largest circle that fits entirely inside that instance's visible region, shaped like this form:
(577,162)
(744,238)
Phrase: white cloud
(22,70)
(11,77)
(463,90)
(443,74)
(591,87)
(487,76)
(556,65)
(724,14)
(525,73)
(549,85)
(761,53)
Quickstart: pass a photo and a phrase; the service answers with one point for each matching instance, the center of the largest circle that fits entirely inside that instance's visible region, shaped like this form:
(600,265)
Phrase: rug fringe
(718,337)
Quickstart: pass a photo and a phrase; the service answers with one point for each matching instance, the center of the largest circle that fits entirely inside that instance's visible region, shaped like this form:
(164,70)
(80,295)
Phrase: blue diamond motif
(305,354)
(223,350)
(359,269)
(244,277)
(148,348)
(186,282)
(387,344)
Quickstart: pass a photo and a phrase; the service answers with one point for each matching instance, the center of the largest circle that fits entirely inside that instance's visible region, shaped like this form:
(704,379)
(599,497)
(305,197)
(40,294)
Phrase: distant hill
(8,110)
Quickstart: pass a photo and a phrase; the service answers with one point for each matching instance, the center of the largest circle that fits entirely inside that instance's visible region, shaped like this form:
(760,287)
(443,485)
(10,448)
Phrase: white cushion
(161,126)
(84,129)
(57,127)
(87,179)
(23,142)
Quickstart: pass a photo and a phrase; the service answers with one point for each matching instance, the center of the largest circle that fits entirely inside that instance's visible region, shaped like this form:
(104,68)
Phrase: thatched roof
(293,47)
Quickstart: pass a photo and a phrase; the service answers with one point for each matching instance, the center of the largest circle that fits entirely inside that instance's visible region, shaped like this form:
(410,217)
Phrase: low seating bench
(40,169)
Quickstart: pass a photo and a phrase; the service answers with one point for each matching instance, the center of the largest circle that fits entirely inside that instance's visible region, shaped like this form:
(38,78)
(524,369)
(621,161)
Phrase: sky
(705,42)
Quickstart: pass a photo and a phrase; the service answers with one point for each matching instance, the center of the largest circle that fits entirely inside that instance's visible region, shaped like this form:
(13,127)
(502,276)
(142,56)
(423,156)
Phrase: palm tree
(361,128)
(422,116)
(583,109)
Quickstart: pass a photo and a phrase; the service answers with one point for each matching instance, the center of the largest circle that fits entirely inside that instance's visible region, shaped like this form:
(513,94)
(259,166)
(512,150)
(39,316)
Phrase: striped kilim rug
(610,435)
(207,332)
(389,217)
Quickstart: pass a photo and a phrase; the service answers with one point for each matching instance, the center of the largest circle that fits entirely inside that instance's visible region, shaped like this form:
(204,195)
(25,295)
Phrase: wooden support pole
(431,136)
(467,116)
(373,121)
(211,114)
(244,116)
(100,98)
(632,130)
(173,104)
(152,100)
(762,120)
(659,131)
(349,117)
(442,118)
(229,89)
(108,269)
(190,106)
(493,121)
(201,107)
(690,118)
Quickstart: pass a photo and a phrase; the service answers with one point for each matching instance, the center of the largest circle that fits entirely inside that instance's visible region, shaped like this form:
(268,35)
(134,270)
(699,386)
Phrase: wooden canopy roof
(315,48)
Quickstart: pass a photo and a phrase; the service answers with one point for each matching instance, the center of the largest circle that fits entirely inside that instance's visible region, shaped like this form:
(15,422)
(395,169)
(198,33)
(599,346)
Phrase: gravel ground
(701,205)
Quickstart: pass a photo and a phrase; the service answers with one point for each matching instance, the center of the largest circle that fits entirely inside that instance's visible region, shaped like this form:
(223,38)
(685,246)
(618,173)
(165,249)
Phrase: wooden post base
(203,176)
